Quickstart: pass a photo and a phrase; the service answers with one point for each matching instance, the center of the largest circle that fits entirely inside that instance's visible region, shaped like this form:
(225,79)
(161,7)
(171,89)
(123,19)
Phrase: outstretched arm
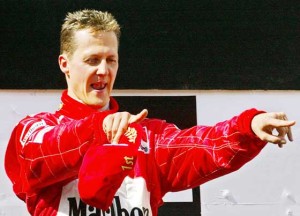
(190,157)
(264,124)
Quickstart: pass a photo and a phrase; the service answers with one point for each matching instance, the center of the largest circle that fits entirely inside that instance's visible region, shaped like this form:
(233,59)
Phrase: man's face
(91,70)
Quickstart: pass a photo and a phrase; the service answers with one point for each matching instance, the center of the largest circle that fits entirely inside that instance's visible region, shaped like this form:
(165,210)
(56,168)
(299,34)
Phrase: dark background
(235,44)
(171,109)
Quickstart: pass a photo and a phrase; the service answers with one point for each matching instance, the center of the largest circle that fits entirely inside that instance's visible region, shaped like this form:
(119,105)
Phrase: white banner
(268,185)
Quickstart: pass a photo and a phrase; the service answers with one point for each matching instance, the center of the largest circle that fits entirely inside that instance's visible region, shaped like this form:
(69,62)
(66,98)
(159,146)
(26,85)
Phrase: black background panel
(180,110)
(165,44)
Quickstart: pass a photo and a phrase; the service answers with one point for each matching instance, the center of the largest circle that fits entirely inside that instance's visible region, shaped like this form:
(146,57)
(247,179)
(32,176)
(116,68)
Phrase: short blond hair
(85,19)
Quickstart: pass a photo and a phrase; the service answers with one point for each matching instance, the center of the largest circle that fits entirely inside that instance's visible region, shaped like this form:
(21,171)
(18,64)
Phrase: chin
(98,104)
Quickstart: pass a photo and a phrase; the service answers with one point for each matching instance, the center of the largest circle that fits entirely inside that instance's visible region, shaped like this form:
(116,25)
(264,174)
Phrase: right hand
(114,125)
(264,124)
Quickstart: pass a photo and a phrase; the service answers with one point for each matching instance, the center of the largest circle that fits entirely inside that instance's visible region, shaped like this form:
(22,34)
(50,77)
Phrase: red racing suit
(62,164)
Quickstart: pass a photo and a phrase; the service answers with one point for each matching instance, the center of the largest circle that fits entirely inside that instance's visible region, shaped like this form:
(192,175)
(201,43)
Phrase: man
(86,157)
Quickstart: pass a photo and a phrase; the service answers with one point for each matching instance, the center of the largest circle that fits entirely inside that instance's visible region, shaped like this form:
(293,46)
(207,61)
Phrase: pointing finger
(139,117)
(289,132)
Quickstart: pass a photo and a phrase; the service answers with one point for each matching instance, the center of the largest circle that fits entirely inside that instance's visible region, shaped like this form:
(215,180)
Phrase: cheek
(82,74)
(77,78)
(113,77)
(114,73)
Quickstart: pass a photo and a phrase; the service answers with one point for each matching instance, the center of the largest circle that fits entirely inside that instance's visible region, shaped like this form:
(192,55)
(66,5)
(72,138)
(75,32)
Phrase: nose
(102,67)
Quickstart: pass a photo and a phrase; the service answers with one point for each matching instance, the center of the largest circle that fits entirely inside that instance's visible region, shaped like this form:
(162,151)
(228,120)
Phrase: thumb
(138,117)
(269,137)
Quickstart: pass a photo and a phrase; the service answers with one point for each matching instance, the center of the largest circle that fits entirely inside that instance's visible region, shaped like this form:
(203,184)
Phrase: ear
(63,64)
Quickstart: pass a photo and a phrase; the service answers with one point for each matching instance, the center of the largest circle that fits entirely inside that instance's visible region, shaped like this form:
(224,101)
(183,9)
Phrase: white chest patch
(132,199)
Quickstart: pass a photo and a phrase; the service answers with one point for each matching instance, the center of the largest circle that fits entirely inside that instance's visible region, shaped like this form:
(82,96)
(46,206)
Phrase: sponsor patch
(132,199)
(27,132)
(145,147)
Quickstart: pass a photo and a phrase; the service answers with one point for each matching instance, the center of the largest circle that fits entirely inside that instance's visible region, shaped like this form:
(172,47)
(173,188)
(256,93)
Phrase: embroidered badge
(128,162)
(131,134)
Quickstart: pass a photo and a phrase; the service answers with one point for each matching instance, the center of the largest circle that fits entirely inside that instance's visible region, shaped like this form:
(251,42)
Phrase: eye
(111,60)
(93,61)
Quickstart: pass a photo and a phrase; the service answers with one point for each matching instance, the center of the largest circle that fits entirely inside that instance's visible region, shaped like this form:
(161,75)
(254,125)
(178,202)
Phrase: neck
(99,108)
(106,107)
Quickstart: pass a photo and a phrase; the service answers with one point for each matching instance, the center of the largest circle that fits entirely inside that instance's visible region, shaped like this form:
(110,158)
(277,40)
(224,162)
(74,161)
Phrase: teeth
(98,86)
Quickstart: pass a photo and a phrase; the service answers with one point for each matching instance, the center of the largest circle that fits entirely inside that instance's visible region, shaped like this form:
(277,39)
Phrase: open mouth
(98,86)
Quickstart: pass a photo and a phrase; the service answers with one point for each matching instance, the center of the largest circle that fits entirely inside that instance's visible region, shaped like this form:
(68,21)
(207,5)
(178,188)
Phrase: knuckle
(280,115)
(123,129)
(264,138)
(109,116)
(117,115)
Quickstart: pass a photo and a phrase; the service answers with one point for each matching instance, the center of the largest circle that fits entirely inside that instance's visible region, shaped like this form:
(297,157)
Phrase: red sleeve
(190,157)
(105,167)
(43,151)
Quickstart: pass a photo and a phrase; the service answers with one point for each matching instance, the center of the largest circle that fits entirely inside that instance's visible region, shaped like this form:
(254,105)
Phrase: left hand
(114,125)
(264,124)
